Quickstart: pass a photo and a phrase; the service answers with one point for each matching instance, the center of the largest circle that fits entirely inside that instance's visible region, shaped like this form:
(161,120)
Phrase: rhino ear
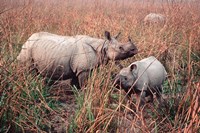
(133,67)
(117,36)
(107,35)
(129,39)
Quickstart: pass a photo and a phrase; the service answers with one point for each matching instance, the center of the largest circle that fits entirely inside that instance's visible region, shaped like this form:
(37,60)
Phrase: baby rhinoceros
(143,77)
(72,57)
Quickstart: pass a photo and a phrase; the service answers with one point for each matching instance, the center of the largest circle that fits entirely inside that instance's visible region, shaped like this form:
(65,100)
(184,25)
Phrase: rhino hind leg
(162,103)
(74,82)
(145,97)
(159,94)
(149,95)
(82,78)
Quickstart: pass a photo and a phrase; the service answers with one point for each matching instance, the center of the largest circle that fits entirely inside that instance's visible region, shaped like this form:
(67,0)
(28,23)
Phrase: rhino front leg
(149,95)
(142,98)
(82,78)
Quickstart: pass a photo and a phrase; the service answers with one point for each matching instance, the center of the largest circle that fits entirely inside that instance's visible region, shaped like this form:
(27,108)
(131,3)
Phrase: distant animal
(154,18)
(143,77)
(72,57)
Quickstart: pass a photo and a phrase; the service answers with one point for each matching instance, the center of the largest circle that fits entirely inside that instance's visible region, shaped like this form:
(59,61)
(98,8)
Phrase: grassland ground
(29,105)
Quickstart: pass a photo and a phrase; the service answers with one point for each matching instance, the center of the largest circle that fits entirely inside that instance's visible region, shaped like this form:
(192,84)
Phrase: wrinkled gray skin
(72,57)
(149,75)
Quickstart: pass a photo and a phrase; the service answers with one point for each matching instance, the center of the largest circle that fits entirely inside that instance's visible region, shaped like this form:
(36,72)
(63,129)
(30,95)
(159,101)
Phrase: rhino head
(126,77)
(115,50)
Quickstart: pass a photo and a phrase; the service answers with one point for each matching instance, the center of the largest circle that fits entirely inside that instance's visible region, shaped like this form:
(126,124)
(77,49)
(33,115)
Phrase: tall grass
(27,104)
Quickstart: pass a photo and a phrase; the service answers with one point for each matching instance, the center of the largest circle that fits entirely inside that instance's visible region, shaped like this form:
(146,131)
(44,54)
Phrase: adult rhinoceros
(66,57)
(155,18)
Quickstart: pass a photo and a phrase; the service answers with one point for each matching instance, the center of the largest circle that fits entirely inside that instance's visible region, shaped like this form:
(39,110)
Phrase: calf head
(126,77)
(115,50)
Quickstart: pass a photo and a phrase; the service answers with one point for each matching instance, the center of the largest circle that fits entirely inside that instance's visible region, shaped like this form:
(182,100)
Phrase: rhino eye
(125,78)
(121,48)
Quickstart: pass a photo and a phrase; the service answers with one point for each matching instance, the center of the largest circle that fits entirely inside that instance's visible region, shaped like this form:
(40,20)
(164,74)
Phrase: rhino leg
(149,94)
(142,98)
(74,82)
(159,94)
(82,78)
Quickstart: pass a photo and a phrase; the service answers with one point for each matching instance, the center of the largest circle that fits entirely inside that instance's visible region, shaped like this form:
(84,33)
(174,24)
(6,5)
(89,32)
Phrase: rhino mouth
(119,84)
(126,55)
(133,51)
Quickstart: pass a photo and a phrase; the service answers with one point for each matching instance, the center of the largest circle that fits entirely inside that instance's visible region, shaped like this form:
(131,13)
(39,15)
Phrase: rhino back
(155,71)
(87,40)
(48,36)
(52,57)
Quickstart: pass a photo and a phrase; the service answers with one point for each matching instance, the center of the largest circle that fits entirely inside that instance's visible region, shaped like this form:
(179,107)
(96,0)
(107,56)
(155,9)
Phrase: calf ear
(133,67)
(107,35)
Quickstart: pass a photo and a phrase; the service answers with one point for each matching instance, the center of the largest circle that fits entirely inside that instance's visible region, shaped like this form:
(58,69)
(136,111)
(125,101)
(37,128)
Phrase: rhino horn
(129,39)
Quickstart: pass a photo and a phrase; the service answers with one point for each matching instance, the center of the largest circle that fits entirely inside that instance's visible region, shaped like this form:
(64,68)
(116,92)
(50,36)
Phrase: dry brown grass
(25,103)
